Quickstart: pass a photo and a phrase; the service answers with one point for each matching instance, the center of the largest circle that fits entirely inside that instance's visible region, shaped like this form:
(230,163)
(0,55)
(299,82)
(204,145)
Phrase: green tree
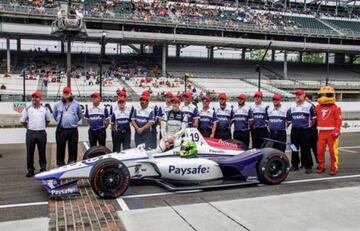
(258,54)
(313,58)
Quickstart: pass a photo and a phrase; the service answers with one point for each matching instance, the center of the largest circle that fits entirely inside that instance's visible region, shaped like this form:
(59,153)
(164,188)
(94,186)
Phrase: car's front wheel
(109,178)
(96,151)
(274,166)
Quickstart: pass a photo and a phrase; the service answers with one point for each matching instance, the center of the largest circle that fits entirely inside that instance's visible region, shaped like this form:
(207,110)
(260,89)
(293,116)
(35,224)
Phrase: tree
(313,58)
(258,54)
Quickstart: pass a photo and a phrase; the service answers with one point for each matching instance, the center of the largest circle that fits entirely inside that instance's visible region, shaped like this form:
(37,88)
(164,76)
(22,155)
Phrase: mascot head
(326,95)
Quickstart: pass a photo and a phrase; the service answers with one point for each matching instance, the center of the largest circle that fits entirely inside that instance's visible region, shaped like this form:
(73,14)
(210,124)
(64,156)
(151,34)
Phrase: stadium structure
(141,45)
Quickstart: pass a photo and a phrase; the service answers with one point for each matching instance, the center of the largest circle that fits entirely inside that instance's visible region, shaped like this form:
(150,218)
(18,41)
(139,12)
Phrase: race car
(218,163)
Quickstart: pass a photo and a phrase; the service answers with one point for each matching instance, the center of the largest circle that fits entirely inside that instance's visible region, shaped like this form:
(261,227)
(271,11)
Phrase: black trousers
(97,137)
(145,137)
(279,135)
(154,137)
(39,139)
(257,136)
(223,134)
(301,138)
(314,139)
(71,137)
(243,136)
(121,140)
(205,132)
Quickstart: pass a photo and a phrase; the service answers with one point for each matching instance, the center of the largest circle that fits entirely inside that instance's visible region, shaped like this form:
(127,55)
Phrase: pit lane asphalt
(16,188)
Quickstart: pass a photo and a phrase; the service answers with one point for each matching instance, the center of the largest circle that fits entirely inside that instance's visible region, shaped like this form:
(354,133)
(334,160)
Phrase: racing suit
(173,125)
(329,125)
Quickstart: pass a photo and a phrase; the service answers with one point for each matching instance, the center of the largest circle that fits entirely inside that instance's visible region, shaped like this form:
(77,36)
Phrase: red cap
(122,93)
(207,98)
(222,96)
(299,92)
(277,96)
(144,97)
(36,94)
(121,100)
(95,94)
(67,90)
(146,93)
(242,96)
(175,100)
(169,94)
(258,94)
(187,94)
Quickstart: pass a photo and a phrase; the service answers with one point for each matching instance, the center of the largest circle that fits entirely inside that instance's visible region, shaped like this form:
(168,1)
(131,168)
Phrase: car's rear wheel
(109,178)
(96,151)
(273,167)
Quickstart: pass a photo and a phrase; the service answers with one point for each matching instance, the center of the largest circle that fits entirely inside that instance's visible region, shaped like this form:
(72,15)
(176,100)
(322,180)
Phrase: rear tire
(273,167)
(96,151)
(109,178)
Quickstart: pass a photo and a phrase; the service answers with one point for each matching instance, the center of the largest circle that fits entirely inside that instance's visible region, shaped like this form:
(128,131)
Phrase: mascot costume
(329,124)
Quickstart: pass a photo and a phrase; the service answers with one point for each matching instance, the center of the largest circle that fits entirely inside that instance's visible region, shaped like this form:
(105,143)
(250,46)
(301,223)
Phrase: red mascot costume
(329,124)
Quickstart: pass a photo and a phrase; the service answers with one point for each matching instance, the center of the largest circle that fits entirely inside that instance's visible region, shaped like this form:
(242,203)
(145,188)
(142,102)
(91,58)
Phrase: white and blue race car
(218,164)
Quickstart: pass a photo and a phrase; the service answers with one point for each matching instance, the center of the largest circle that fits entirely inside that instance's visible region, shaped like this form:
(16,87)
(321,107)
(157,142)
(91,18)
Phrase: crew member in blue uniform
(207,119)
(276,115)
(314,130)
(224,114)
(97,117)
(67,113)
(142,120)
(302,117)
(35,119)
(120,124)
(242,120)
(190,110)
(259,130)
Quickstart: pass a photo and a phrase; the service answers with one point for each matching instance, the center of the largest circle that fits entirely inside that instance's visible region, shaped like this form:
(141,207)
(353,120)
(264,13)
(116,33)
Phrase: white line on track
(86,145)
(160,194)
(321,179)
(23,205)
(122,204)
(346,150)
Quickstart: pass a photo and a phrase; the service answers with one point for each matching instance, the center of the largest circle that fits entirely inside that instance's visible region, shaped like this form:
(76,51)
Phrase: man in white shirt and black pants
(35,118)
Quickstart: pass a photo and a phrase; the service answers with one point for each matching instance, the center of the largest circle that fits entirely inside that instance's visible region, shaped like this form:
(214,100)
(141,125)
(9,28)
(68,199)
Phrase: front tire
(96,151)
(109,178)
(274,166)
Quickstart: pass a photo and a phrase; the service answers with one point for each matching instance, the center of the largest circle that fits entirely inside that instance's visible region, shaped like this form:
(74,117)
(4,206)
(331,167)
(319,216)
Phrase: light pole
(102,53)
(258,67)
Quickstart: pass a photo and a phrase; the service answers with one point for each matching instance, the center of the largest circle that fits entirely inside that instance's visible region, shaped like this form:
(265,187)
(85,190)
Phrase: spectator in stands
(314,136)
(35,119)
(97,117)
(190,110)
(207,119)
(67,113)
(242,120)
(143,119)
(276,116)
(224,114)
(302,117)
(120,123)
(259,129)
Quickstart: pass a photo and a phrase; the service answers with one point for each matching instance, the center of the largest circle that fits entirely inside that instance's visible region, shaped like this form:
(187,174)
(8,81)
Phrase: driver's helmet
(188,149)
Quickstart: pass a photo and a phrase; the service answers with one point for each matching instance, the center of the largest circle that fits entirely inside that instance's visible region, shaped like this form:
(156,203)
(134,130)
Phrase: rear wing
(270,143)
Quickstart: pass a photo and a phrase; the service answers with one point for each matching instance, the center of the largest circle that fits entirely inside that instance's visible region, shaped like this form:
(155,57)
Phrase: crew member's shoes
(308,171)
(30,173)
(42,169)
(318,167)
(293,169)
(320,170)
(332,173)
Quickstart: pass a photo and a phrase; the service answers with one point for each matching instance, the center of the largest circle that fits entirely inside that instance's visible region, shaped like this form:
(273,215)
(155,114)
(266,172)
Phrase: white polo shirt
(35,118)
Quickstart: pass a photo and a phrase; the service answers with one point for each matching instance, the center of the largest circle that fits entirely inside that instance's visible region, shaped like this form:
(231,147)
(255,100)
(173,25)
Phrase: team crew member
(224,114)
(173,125)
(314,131)
(242,120)
(190,110)
(120,123)
(276,115)
(302,116)
(67,113)
(162,110)
(35,118)
(142,120)
(207,119)
(98,119)
(259,130)
(329,121)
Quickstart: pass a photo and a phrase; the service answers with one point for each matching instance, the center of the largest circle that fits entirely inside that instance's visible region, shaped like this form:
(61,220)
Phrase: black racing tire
(273,167)
(96,151)
(238,142)
(109,178)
